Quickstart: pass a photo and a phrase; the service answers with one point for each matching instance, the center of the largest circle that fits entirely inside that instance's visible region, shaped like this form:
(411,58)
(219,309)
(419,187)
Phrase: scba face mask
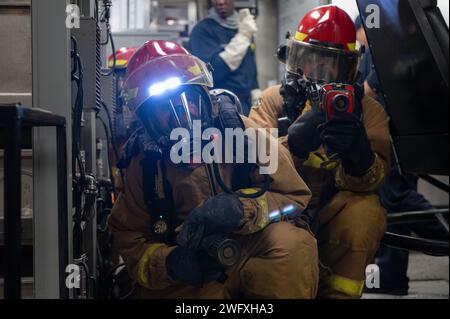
(322,64)
(180,109)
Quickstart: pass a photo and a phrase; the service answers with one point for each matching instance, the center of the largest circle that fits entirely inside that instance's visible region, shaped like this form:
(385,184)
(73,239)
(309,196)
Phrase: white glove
(247,24)
(236,50)
(256,97)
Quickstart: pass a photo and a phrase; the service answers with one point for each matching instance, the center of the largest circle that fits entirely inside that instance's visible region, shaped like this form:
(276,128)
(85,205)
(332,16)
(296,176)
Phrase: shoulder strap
(160,208)
(230,118)
(130,150)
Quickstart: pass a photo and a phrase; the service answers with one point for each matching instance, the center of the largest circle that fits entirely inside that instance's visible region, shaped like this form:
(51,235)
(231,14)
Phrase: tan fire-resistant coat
(278,260)
(352,223)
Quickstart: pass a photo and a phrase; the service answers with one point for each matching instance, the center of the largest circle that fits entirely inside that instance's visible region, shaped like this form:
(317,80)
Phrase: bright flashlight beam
(289,210)
(274,215)
(162,87)
(286,211)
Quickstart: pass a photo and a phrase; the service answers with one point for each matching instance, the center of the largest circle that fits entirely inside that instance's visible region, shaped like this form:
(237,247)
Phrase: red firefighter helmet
(324,46)
(123,57)
(167,88)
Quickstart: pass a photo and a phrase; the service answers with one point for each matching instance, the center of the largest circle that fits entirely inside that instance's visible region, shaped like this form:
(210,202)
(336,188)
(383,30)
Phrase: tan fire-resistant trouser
(280,261)
(351,228)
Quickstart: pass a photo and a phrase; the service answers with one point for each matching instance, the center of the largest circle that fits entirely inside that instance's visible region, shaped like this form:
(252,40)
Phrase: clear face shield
(322,64)
(168,93)
(188,106)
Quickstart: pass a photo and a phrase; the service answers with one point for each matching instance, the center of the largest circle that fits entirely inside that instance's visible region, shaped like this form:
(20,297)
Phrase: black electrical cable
(96,10)
(78,112)
(105,19)
(113,48)
(104,227)
(226,189)
(77,119)
(89,278)
(78,182)
(74,52)
(113,139)
(109,142)
(109,38)
(88,212)
(110,122)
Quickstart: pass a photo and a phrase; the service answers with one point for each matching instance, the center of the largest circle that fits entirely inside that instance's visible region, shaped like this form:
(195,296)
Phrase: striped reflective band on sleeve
(344,285)
(263,208)
(143,268)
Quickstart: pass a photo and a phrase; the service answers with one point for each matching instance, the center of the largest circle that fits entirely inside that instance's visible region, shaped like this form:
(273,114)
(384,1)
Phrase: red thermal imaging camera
(337,98)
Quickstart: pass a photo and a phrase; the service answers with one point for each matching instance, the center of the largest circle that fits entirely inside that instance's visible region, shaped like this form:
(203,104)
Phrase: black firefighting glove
(304,134)
(221,214)
(346,136)
(192,266)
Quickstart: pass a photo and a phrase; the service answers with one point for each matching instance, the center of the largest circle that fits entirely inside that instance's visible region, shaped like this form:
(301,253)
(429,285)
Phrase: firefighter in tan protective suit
(343,157)
(167,89)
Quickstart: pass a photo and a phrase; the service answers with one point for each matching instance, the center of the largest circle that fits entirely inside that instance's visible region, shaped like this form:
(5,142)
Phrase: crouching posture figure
(339,140)
(180,226)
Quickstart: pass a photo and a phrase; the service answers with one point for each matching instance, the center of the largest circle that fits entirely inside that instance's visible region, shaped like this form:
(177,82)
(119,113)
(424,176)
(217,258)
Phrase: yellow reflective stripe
(369,182)
(142,276)
(313,161)
(249,191)
(119,63)
(319,161)
(345,285)
(263,221)
(330,165)
(300,36)
(308,106)
(352,47)
(382,168)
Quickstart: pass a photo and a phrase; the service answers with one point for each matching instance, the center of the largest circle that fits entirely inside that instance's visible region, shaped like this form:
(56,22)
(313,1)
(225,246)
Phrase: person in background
(398,194)
(225,40)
